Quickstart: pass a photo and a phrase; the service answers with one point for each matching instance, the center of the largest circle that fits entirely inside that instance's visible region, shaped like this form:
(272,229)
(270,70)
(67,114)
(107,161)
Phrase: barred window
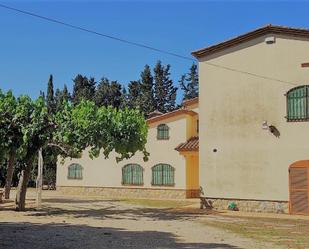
(132,174)
(163,175)
(75,171)
(298,104)
(162,132)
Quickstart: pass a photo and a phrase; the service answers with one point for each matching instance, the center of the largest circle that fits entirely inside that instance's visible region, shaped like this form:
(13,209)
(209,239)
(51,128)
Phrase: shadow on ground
(110,209)
(66,236)
(77,200)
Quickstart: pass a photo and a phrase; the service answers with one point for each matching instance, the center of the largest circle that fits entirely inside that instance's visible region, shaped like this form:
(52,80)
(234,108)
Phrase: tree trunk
(9,175)
(20,201)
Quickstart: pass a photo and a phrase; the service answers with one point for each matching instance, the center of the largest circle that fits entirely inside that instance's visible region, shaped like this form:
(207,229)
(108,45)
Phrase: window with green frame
(163,175)
(162,132)
(298,103)
(132,174)
(75,171)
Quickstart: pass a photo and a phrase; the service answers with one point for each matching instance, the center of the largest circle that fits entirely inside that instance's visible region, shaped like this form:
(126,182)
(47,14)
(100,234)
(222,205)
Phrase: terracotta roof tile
(269,29)
(191,144)
(189,102)
(171,114)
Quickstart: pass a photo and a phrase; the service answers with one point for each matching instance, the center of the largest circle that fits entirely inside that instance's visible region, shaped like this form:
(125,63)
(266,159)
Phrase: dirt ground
(81,222)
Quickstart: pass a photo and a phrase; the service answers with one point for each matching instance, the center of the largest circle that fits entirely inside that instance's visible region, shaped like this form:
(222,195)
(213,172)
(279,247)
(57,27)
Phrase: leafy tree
(34,122)
(76,127)
(189,83)
(10,135)
(164,90)
(147,100)
(83,88)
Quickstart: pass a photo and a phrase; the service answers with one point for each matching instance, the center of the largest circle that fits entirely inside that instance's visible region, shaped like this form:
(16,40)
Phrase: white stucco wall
(102,172)
(251,163)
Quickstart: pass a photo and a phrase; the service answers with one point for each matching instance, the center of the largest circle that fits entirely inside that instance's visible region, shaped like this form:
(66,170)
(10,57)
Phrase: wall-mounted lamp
(271,128)
(265,125)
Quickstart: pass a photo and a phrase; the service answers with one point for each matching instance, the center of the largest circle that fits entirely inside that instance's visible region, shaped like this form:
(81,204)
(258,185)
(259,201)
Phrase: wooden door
(299,188)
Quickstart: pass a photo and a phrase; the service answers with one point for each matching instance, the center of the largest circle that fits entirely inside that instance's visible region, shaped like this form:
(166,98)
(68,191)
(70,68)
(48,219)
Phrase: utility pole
(39,180)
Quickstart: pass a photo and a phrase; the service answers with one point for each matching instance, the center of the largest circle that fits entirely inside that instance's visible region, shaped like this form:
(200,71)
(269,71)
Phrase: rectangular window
(297,104)
(132,174)
(163,175)
(162,132)
(75,171)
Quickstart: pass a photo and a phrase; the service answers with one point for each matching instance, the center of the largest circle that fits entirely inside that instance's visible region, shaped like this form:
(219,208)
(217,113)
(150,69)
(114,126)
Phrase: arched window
(163,175)
(162,132)
(298,104)
(75,171)
(132,174)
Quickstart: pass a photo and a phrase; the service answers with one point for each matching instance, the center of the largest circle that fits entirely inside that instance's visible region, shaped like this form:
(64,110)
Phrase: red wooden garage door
(299,187)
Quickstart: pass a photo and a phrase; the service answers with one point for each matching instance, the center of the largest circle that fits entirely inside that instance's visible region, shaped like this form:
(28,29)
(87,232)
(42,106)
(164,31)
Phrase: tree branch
(59,147)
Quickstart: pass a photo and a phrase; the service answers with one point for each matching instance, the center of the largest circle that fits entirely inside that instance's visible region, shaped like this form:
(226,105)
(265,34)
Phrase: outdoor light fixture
(265,126)
(271,128)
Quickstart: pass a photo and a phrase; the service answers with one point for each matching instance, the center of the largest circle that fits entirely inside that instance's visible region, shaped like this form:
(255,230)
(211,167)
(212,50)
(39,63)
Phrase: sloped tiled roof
(189,102)
(170,115)
(269,29)
(191,144)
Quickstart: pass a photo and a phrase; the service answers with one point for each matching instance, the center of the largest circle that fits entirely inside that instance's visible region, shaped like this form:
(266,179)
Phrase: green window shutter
(75,171)
(132,174)
(297,104)
(163,174)
(163,131)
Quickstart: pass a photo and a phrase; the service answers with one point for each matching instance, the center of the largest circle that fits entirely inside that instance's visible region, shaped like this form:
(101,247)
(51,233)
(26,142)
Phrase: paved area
(78,222)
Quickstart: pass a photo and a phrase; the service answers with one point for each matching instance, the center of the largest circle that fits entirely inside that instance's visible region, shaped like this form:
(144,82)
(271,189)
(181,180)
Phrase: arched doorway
(299,187)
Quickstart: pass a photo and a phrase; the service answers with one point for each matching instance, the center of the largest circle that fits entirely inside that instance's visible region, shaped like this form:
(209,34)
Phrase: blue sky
(31,49)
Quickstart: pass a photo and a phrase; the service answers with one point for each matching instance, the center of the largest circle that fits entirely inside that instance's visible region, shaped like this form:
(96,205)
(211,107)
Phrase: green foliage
(61,96)
(35,125)
(134,94)
(108,93)
(147,99)
(10,130)
(86,125)
(189,83)
(83,88)
(27,125)
(164,90)
(50,98)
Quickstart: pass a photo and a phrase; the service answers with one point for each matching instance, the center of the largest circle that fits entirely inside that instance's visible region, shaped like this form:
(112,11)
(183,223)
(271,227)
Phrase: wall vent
(270,40)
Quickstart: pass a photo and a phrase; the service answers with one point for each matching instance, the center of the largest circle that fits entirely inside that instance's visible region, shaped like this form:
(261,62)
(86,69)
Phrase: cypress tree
(83,88)
(134,94)
(60,96)
(115,94)
(171,90)
(101,97)
(159,87)
(124,99)
(147,100)
(108,93)
(50,98)
(65,95)
(164,89)
(189,83)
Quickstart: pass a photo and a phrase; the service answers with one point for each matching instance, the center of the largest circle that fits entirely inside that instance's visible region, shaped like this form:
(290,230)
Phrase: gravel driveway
(76,222)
